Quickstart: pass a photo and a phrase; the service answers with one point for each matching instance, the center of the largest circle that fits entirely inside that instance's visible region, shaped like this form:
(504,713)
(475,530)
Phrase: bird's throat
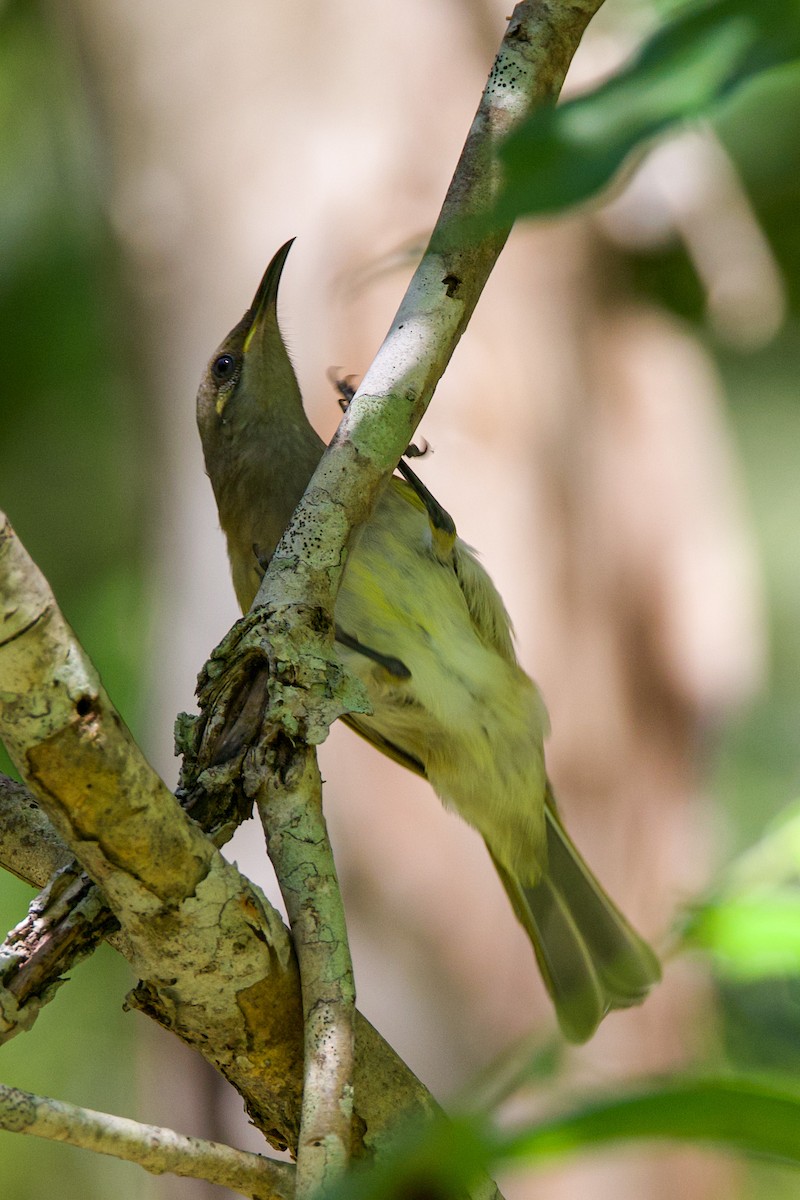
(257,495)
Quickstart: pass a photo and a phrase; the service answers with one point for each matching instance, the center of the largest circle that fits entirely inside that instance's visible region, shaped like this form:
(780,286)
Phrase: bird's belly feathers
(469,715)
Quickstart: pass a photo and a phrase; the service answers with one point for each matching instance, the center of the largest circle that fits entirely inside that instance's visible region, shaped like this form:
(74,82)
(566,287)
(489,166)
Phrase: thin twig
(71,908)
(153,1147)
(291,813)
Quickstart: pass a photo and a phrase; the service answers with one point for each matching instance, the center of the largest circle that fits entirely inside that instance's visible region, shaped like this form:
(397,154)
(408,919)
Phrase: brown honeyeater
(420,623)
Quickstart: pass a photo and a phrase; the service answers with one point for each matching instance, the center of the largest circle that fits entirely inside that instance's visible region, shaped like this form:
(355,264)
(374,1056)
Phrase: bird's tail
(590,957)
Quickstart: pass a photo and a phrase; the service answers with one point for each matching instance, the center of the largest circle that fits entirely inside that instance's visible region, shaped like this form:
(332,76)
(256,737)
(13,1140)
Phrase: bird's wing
(485,606)
(484,602)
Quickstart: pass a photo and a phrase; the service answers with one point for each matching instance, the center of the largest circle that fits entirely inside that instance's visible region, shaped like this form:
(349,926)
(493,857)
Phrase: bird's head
(249,383)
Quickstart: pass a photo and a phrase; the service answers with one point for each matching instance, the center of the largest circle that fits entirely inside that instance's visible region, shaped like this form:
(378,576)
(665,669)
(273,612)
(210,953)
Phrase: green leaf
(753,936)
(751,921)
(446,1157)
(686,71)
(736,1114)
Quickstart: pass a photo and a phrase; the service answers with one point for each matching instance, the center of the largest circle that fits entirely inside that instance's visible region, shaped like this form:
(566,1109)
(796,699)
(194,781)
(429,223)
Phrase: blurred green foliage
(74,469)
(447,1158)
(737,1114)
(692,64)
(736,66)
(74,482)
(758,126)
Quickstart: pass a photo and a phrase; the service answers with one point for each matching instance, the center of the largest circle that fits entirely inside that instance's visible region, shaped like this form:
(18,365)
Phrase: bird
(419,622)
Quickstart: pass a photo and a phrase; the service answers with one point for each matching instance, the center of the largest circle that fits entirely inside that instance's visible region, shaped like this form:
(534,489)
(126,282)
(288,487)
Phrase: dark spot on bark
(259,934)
(319,619)
(84,706)
(283,755)
(452,284)
(276,1139)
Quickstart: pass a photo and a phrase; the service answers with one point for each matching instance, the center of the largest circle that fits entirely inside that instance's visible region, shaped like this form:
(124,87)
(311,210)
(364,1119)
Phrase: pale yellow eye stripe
(249,338)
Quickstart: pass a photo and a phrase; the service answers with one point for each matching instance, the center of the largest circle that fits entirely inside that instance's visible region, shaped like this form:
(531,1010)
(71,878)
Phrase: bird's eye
(223,367)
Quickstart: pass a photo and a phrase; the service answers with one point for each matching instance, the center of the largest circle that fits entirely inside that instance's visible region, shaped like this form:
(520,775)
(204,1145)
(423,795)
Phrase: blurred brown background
(581,439)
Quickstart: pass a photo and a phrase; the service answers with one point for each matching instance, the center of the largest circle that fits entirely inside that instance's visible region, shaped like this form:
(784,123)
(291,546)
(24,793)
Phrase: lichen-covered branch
(291,624)
(73,750)
(290,806)
(67,919)
(153,1147)
(529,69)
(217,962)
(64,922)
(264,741)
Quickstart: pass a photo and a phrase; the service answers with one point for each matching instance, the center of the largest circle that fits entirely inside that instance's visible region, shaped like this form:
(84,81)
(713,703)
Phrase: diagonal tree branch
(290,627)
(290,807)
(217,962)
(178,899)
(379,423)
(153,1147)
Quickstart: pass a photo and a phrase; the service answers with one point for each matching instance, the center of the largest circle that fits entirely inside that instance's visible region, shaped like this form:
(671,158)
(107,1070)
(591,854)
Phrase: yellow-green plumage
(425,630)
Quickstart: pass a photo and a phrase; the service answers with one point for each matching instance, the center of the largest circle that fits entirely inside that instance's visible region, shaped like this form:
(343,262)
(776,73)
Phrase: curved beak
(265,301)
